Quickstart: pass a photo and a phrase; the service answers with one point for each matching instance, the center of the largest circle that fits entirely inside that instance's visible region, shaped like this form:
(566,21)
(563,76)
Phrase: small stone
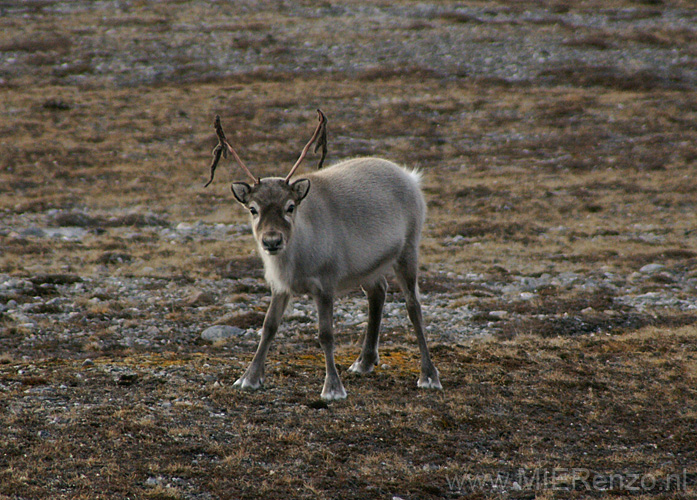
(498,314)
(221,332)
(67,233)
(152,481)
(185,228)
(652,268)
(87,363)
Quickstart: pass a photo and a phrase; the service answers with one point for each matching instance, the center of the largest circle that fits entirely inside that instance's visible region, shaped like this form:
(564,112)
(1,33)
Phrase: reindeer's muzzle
(272,242)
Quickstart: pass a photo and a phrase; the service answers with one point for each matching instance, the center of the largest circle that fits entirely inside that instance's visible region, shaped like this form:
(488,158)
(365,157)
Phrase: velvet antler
(222,150)
(321,134)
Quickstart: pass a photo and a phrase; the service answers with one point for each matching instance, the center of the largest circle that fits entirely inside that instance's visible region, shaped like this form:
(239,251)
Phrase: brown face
(272,203)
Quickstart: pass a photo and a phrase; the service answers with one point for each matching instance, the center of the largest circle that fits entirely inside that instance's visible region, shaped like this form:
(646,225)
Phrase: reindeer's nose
(272,241)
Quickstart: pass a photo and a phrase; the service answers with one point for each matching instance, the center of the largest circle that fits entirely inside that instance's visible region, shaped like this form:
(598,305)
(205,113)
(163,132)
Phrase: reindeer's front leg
(253,378)
(333,388)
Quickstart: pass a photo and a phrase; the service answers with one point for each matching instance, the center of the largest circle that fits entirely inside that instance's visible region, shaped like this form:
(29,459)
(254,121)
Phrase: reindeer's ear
(241,191)
(301,187)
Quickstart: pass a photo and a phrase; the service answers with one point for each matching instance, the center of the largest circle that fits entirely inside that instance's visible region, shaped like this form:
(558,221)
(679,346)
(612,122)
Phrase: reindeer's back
(362,214)
(369,189)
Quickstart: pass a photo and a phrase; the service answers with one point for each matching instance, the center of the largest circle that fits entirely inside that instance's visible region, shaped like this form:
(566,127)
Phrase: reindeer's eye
(291,208)
(253,211)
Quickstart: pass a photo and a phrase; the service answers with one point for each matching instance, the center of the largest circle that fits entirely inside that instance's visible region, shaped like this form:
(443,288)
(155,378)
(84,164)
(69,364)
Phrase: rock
(652,268)
(153,482)
(16,284)
(185,228)
(65,233)
(221,332)
(532,284)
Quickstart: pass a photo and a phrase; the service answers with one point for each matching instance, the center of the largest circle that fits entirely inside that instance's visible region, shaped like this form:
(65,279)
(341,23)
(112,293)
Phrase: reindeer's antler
(321,133)
(222,149)
(322,139)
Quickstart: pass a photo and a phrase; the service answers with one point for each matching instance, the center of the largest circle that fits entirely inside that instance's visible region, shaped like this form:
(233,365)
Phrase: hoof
(333,393)
(359,367)
(429,383)
(246,385)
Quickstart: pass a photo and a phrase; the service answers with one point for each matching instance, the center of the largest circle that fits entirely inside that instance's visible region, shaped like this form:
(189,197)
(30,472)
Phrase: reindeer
(342,227)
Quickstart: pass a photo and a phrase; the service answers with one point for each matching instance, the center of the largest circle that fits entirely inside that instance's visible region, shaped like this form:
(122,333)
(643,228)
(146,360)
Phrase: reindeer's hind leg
(369,353)
(406,272)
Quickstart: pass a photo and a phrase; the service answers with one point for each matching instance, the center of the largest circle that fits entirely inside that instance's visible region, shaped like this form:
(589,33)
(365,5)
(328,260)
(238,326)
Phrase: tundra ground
(558,146)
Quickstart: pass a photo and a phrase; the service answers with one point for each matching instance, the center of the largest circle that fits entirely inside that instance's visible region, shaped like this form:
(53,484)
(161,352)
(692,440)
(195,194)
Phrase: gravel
(451,40)
(221,332)
(110,311)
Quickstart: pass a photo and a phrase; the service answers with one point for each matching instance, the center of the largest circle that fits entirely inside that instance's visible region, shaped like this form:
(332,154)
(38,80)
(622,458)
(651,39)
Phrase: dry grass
(531,402)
